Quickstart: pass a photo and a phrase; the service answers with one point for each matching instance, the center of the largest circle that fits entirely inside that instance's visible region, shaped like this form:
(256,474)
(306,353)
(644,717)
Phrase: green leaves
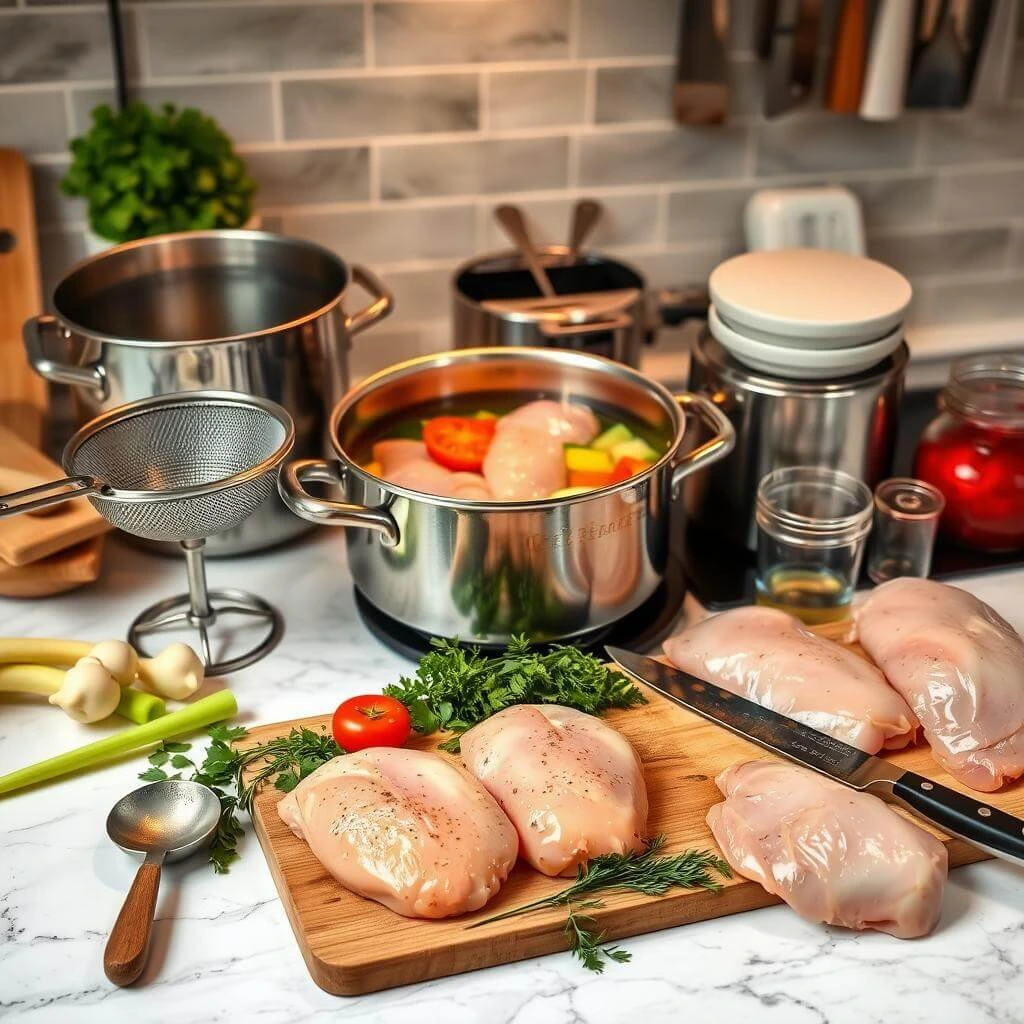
(456,686)
(145,172)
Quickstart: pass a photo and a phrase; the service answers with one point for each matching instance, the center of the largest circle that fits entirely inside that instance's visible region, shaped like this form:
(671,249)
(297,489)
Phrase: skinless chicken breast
(833,854)
(568,422)
(769,657)
(572,786)
(960,666)
(405,828)
(524,464)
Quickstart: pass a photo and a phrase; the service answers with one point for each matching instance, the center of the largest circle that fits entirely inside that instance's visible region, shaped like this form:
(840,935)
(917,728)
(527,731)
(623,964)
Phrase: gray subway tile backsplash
(832,143)
(38,47)
(981,195)
(975,137)
(216,39)
(33,122)
(535,98)
(641,93)
(485,166)
(294,176)
(380,105)
(950,251)
(470,31)
(628,28)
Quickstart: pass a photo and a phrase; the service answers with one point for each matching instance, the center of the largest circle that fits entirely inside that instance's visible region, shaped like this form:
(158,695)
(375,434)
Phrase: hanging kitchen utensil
(846,79)
(700,95)
(937,75)
(995,63)
(179,468)
(975,30)
(167,821)
(513,223)
(885,75)
(585,215)
(794,55)
(23,395)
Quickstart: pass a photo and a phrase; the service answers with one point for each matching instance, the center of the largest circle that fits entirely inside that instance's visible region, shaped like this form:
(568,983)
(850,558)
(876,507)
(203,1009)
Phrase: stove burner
(642,630)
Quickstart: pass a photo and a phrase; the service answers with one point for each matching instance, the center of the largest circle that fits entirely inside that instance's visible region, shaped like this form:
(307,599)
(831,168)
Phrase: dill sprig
(456,686)
(285,760)
(644,872)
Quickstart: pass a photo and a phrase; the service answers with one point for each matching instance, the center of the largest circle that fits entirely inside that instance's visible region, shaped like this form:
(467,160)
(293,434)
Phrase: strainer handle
(383,300)
(33,334)
(43,495)
(290,485)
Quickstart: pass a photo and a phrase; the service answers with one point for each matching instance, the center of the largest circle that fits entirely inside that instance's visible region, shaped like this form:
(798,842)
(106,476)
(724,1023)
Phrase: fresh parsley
(644,872)
(286,760)
(456,686)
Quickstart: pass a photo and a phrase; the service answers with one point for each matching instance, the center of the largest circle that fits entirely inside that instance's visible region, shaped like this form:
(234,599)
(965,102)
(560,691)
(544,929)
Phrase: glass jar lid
(813,506)
(988,390)
(905,498)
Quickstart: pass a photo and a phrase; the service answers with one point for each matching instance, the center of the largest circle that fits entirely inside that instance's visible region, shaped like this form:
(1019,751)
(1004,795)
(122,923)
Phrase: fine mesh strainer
(179,467)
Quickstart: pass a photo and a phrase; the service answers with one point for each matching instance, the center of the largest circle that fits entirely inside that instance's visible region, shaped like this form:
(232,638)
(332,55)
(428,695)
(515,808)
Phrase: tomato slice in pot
(371,720)
(458,442)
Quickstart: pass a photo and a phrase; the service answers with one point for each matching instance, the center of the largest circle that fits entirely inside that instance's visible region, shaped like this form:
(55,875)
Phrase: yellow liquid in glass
(813,595)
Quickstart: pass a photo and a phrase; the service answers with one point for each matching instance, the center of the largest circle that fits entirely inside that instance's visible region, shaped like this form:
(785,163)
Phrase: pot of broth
(491,492)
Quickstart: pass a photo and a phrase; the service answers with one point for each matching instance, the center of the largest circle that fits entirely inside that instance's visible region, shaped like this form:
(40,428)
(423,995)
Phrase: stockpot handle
(714,448)
(56,492)
(556,329)
(290,485)
(34,333)
(382,305)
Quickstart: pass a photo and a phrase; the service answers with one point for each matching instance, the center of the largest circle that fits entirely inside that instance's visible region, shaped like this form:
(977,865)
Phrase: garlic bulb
(120,659)
(176,672)
(89,692)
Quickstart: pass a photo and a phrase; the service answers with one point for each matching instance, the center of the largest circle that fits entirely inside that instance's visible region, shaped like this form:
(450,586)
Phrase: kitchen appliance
(973,452)
(813,217)
(556,568)
(167,821)
(343,950)
(989,828)
(245,311)
(600,305)
(179,468)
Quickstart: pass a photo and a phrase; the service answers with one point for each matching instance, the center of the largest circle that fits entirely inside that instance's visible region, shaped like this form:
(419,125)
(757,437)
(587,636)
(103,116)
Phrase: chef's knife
(987,827)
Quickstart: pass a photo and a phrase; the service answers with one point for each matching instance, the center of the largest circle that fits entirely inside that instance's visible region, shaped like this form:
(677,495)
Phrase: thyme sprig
(645,872)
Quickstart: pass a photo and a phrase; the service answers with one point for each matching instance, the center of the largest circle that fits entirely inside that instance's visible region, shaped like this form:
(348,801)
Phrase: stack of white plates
(808,314)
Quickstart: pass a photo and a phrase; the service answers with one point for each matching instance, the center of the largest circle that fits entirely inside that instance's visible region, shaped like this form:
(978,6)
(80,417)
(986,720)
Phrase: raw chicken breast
(569,422)
(395,454)
(833,854)
(573,786)
(524,464)
(405,828)
(470,486)
(960,666)
(769,657)
(422,475)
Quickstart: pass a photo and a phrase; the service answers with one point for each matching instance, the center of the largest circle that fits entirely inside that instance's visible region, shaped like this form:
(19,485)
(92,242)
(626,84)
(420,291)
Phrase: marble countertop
(223,948)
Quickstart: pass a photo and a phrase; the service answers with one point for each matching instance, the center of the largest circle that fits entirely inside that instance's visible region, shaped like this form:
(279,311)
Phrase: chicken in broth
(530,450)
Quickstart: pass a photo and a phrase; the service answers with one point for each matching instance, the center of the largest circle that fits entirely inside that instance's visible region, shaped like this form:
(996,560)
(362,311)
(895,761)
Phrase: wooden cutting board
(23,392)
(353,946)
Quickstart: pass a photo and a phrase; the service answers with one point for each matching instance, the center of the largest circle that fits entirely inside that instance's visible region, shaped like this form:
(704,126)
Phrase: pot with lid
(804,354)
(246,311)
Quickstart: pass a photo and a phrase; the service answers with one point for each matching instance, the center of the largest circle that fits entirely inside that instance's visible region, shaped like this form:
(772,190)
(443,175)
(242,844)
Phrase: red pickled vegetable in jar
(973,452)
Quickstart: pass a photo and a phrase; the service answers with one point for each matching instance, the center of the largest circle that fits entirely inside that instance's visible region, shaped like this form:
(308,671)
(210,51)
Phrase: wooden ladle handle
(128,945)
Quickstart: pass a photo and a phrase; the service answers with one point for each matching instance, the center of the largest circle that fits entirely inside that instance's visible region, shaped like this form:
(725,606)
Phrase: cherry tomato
(458,442)
(627,467)
(371,720)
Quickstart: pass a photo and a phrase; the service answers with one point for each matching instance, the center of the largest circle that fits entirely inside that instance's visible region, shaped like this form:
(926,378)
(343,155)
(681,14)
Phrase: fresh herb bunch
(287,760)
(643,872)
(146,172)
(456,686)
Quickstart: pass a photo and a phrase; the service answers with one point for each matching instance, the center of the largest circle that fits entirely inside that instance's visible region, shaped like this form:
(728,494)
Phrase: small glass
(812,523)
(907,514)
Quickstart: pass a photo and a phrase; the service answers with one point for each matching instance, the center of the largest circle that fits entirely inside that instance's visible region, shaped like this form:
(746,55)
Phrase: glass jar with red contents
(973,452)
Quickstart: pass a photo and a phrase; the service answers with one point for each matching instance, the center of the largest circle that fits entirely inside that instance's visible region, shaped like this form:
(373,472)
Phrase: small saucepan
(556,568)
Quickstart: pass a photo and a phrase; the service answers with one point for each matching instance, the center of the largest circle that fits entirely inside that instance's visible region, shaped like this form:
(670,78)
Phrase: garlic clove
(176,672)
(119,658)
(89,692)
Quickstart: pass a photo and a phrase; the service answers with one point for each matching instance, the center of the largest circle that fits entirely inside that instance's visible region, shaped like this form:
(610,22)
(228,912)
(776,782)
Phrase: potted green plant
(147,172)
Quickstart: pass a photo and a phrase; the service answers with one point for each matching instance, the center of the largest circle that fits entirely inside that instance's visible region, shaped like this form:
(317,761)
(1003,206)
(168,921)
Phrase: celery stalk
(215,708)
(140,707)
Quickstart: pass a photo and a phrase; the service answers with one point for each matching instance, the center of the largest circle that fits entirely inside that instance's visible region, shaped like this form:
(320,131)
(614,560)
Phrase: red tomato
(627,467)
(458,442)
(372,720)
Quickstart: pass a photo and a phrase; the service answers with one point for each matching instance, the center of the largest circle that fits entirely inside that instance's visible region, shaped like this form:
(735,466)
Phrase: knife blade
(956,814)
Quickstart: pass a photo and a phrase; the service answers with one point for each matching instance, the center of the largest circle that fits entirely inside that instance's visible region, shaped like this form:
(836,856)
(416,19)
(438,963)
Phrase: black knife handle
(958,815)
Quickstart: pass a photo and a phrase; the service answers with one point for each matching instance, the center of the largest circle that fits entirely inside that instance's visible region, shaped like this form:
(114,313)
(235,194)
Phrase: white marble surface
(223,947)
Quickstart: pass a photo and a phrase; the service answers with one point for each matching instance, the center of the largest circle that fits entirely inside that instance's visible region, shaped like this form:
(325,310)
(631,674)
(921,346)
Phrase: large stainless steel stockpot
(846,423)
(242,311)
(556,568)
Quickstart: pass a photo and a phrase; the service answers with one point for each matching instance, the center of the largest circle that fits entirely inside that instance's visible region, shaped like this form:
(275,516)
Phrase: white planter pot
(94,244)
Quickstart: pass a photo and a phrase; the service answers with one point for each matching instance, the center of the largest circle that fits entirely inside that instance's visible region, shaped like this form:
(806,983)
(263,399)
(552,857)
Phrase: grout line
(482,217)
(590,95)
(484,102)
(574,161)
(369,44)
(575,28)
(69,113)
(661,217)
(373,172)
(277,109)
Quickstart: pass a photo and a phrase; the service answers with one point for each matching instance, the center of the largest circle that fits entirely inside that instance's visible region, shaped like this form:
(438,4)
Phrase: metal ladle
(167,821)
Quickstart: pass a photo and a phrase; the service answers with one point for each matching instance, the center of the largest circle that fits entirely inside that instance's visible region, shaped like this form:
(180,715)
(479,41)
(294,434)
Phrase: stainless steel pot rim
(147,405)
(561,356)
(262,236)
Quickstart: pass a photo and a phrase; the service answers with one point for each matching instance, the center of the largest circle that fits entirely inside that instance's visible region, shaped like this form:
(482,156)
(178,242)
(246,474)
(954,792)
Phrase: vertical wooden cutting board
(23,393)
(352,946)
